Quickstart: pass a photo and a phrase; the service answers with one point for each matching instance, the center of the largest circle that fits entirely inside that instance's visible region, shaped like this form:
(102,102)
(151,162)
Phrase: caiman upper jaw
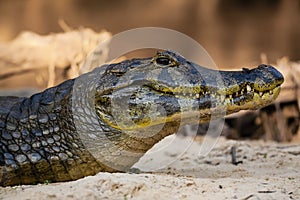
(262,80)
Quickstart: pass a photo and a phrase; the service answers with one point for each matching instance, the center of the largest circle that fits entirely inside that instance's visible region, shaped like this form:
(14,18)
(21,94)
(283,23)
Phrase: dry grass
(68,51)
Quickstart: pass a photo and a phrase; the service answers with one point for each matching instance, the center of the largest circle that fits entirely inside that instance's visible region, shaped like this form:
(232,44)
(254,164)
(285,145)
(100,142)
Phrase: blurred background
(234,32)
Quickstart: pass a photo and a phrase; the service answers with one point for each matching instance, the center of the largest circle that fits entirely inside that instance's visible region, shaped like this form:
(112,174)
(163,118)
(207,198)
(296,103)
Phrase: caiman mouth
(192,104)
(235,95)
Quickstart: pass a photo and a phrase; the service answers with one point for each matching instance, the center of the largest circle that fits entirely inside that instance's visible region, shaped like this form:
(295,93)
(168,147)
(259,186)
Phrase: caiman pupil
(163,61)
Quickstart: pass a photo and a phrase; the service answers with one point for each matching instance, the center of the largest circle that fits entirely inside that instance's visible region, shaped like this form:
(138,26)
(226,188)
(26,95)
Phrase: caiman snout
(265,77)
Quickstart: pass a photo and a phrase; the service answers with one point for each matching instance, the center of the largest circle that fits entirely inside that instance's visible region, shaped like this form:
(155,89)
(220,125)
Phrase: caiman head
(144,92)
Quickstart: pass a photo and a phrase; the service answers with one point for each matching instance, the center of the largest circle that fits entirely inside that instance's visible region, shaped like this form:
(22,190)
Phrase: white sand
(269,171)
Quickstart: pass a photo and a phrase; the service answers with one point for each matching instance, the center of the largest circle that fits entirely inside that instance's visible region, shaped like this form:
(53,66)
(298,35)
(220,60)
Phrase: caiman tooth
(248,88)
(227,101)
(260,94)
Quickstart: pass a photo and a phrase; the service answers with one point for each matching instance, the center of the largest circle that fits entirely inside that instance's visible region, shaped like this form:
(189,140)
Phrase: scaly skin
(71,131)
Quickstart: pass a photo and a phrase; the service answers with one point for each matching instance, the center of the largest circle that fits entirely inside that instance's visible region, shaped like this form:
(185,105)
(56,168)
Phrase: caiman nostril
(246,70)
(263,66)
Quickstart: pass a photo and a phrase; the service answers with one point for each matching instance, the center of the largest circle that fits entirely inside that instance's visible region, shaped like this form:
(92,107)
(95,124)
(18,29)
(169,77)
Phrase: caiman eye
(163,61)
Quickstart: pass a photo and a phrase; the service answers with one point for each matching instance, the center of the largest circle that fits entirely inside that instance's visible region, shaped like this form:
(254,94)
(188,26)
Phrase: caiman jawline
(229,96)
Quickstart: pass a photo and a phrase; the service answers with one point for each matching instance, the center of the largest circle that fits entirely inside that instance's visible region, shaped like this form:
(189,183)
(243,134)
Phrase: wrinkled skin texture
(57,136)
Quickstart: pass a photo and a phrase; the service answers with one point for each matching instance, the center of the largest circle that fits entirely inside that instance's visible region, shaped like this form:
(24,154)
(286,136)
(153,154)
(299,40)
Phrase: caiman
(107,119)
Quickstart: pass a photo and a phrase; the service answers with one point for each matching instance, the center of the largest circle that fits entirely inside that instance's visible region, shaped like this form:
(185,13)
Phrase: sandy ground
(176,169)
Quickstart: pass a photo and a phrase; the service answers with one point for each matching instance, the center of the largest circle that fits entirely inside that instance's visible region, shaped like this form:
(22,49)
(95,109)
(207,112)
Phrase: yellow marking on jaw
(187,90)
(145,122)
